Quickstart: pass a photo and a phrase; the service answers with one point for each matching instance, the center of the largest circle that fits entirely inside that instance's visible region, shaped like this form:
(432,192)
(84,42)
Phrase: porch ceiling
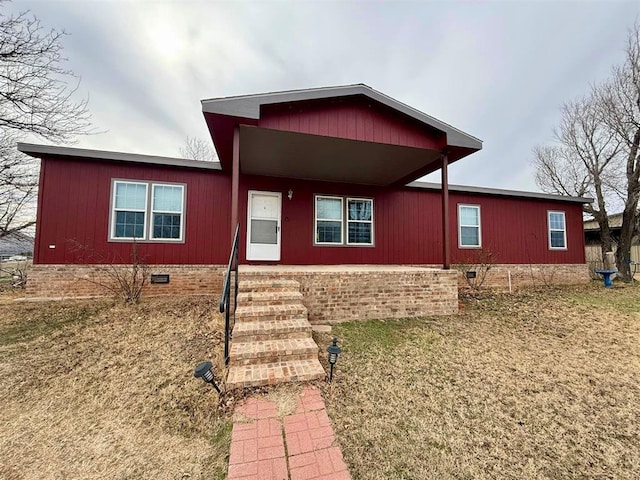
(278,153)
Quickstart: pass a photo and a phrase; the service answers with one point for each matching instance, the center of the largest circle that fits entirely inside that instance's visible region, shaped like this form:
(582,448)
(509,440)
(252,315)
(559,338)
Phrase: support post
(235,177)
(446,256)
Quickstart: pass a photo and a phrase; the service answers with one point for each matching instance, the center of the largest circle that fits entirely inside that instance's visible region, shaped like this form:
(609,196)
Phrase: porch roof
(352,134)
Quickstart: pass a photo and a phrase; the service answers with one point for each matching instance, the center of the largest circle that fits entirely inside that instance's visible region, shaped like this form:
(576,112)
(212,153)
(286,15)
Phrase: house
(322,183)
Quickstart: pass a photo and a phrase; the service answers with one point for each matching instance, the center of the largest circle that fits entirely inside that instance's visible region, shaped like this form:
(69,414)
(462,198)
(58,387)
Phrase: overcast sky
(496,70)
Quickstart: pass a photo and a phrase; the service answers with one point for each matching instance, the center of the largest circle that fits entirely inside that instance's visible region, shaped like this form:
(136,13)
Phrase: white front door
(263,225)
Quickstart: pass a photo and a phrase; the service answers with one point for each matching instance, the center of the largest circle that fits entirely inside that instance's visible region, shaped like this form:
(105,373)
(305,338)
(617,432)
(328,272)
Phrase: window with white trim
(343,221)
(557,230)
(328,220)
(359,221)
(469,235)
(147,211)
(166,211)
(129,210)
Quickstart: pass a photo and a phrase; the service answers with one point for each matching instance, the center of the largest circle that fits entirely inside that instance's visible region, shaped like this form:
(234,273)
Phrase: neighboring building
(592,229)
(319,177)
(593,249)
(16,244)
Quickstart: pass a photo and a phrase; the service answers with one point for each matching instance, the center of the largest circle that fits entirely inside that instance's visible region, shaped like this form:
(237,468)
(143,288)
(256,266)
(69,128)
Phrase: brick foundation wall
(331,294)
(335,294)
(69,281)
(531,275)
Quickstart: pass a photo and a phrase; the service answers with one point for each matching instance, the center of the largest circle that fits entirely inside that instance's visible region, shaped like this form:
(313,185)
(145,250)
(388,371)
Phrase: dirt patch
(535,385)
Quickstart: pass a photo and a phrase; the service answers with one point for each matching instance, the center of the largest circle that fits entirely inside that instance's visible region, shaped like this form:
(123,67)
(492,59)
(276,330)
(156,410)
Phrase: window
(335,215)
(129,210)
(147,211)
(328,220)
(557,230)
(167,212)
(469,226)
(359,221)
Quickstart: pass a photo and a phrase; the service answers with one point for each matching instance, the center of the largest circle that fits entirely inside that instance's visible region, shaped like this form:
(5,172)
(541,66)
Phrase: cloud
(498,70)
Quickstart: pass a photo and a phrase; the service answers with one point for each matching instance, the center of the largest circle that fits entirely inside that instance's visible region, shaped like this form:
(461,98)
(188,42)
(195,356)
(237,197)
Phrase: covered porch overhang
(289,134)
(290,154)
(303,156)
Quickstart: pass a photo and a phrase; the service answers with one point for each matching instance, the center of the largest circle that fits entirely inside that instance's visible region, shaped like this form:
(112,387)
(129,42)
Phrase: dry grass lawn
(91,389)
(535,385)
(538,385)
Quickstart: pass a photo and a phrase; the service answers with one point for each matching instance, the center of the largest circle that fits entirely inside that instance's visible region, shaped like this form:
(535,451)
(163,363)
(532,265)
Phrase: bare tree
(475,266)
(34,99)
(584,161)
(125,279)
(197,149)
(620,101)
(18,187)
(598,151)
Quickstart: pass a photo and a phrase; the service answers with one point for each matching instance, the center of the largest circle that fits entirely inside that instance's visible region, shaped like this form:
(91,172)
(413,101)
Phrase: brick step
(272,285)
(271,351)
(272,329)
(279,297)
(272,373)
(252,313)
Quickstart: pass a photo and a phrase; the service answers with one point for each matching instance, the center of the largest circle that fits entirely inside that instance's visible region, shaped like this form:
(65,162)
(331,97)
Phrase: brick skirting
(360,292)
(331,293)
(72,281)
(539,275)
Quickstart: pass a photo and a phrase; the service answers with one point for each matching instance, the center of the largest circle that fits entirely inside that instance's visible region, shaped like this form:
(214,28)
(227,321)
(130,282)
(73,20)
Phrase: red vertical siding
(74,203)
(515,229)
(41,187)
(397,233)
(408,230)
(353,118)
(73,214)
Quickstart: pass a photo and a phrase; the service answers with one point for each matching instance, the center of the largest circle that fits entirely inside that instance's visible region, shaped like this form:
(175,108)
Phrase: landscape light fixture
(334,350)
(204,370)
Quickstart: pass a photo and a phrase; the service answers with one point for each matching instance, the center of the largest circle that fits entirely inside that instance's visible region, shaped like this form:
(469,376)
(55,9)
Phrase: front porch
(350,135)
(337,293)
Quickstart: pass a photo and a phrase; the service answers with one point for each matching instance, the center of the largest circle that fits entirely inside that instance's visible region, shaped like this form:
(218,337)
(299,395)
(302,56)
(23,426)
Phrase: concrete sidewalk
(301,446)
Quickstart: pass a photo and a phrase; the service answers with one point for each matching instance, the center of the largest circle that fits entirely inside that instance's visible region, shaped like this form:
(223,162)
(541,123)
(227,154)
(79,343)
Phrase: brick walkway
(258,447)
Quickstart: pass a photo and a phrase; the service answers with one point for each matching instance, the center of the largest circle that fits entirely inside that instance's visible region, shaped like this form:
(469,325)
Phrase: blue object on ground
(606,275)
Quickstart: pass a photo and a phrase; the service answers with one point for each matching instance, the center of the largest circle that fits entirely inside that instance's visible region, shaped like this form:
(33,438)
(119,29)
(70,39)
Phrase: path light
(334,350)
(204,370)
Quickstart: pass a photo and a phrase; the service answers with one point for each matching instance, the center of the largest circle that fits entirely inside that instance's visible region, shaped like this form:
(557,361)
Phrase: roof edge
(38,151)
(248,106)
(498,191)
